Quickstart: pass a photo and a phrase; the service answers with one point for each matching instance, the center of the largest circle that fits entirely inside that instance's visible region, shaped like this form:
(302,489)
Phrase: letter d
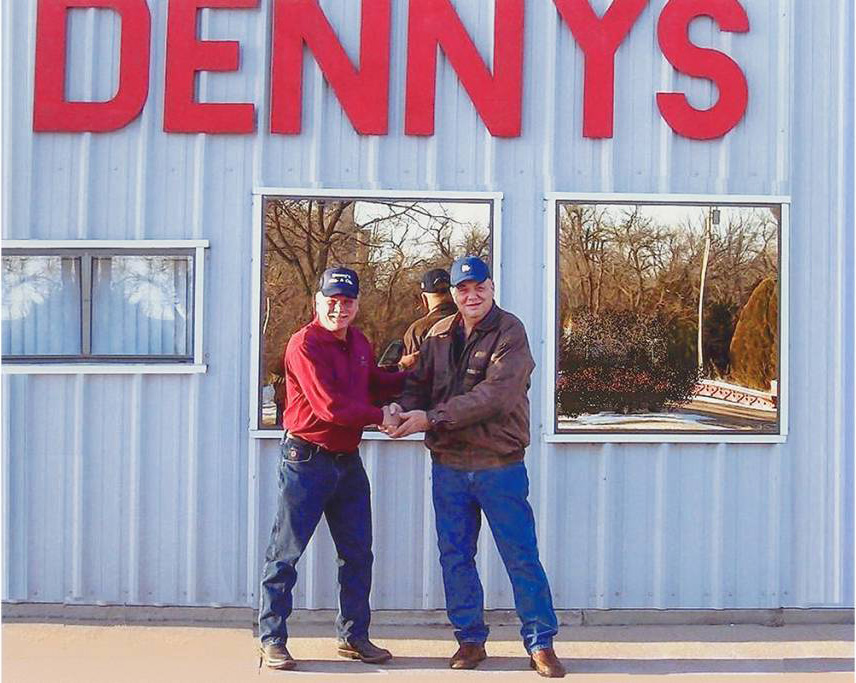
(52,112)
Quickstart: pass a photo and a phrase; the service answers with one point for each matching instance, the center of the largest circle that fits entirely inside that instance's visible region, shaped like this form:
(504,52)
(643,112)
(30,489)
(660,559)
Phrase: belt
(313,448)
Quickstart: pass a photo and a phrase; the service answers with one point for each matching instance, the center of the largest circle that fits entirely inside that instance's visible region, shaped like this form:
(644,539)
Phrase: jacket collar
(445,307)
(489,322)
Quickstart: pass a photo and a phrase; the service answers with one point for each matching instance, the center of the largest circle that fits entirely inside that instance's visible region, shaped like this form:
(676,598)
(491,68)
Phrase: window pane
(391,244)
(668,318)
(142,305)
(41,306)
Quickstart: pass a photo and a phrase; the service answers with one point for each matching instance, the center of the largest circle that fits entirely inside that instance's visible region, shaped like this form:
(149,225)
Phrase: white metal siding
(147,489)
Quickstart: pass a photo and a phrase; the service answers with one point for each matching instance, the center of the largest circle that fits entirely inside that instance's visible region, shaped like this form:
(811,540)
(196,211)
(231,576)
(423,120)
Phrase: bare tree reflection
(645,263)
(648,259)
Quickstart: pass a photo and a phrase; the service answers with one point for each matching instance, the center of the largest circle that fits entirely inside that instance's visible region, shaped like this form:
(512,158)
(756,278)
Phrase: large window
(389,239)
(89,303)
(668,318)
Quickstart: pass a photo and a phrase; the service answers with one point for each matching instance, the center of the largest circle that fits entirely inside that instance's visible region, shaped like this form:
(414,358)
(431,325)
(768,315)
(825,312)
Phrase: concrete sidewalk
(55,652)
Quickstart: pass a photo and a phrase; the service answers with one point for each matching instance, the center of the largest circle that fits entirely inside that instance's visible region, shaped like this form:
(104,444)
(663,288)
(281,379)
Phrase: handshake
(398,422)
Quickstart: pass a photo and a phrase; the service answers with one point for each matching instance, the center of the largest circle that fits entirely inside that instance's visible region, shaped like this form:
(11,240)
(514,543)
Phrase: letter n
(497,97)
(363,92)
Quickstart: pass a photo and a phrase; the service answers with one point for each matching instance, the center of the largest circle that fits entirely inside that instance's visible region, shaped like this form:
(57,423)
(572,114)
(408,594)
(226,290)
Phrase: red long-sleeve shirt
(332,385)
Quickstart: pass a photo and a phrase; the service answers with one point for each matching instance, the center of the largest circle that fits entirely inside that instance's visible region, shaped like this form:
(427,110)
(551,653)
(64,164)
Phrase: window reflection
(29,281)
(140,305)
(668,317)
(41,306)
(83,304)
(156,284)
(390,243)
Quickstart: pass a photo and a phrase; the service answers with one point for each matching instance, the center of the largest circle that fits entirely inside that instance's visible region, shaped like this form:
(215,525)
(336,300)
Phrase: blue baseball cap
(343,281)
(468,268)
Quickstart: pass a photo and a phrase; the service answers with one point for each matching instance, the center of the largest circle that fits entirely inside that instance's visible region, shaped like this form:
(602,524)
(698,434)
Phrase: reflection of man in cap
(438,303)
(468,393)
(333,387)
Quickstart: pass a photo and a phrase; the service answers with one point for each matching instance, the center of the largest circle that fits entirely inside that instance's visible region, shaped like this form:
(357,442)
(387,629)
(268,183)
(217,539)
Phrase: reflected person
(437,302)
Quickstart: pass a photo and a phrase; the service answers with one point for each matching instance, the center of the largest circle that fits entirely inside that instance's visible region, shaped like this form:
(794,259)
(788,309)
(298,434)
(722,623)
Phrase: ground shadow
(605,634)
(594,666)
(691,666)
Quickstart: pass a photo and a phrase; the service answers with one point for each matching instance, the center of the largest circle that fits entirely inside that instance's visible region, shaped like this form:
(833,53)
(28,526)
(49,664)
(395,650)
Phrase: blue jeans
(312,483)
(459,498)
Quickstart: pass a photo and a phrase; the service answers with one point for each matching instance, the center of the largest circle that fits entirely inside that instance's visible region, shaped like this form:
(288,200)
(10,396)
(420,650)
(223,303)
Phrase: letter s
(673,36)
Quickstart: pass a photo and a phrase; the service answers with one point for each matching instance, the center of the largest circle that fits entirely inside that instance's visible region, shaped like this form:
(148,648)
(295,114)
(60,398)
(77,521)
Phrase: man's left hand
(408,361)
(391,418)
(413,421)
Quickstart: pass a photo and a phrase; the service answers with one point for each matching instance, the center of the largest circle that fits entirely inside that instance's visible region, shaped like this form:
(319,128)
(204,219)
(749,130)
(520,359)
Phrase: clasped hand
(398,422)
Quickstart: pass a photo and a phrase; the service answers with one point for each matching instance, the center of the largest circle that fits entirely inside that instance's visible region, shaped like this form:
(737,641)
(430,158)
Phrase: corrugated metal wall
(147,489)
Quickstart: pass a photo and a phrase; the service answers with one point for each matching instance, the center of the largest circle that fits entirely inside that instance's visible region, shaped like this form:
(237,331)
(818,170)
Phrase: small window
(389,239)
(89,303)
(669,318)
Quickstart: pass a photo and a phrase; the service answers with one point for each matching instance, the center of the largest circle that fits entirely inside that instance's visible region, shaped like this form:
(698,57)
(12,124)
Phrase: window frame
(194,363)
(264,192)
(549,427)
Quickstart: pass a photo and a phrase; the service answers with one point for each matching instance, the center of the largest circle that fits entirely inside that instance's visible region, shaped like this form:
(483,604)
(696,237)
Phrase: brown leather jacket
(477,406)
(419,329)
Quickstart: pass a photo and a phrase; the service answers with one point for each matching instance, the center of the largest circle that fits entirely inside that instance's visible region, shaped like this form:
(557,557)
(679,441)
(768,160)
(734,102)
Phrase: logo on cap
(340,281)
(469,268)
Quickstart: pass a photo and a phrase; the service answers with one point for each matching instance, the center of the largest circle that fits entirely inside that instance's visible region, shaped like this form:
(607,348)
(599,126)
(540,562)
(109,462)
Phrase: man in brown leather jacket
(468,393)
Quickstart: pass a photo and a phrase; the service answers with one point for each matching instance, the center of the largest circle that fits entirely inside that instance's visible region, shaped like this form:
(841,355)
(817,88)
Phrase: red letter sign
(363,93)
(186,55)
(51,111)
(673,34)
(497,98)
(599,39)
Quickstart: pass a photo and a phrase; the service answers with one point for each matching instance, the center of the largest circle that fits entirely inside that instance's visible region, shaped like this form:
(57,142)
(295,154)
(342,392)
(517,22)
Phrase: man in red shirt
(333,387)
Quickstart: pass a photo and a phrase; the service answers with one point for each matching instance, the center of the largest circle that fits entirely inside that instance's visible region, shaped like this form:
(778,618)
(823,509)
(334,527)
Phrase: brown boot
(546,663)
(276,656)
(364,650)
(468,656)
